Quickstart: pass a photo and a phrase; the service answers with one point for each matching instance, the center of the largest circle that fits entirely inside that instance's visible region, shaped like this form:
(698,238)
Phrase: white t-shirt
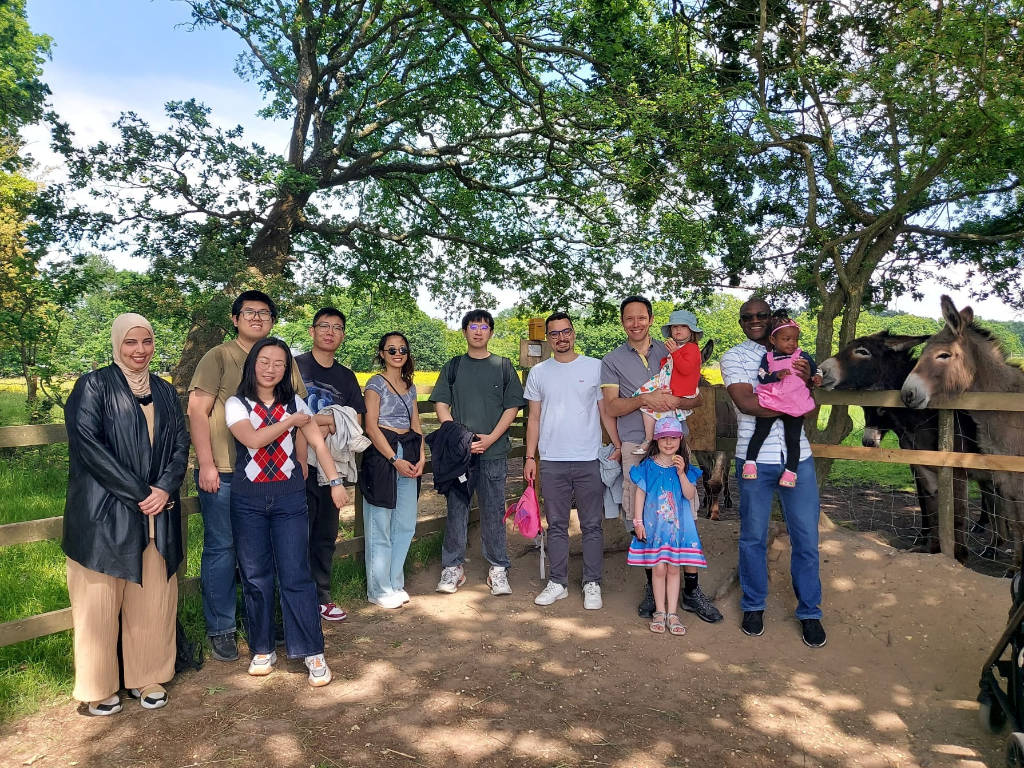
(570,424)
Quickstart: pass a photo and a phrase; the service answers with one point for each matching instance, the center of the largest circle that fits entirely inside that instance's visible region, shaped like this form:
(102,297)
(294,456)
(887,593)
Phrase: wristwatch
(394,458)
(337,481)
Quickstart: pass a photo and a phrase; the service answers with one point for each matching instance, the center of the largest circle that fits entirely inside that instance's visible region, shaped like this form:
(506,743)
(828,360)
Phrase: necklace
(661,464)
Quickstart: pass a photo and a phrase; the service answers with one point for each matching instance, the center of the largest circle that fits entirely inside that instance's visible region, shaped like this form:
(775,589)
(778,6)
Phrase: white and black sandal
(109,706)
(151,696)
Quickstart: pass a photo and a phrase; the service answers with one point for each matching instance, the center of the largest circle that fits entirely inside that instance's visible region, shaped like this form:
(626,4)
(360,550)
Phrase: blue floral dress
(668,519)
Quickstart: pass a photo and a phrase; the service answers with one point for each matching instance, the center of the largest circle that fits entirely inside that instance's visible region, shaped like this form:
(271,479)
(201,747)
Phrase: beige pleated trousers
(147,627)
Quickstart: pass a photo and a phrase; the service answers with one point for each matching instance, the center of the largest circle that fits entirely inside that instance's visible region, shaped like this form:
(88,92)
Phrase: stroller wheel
(1015,750)
(991,716)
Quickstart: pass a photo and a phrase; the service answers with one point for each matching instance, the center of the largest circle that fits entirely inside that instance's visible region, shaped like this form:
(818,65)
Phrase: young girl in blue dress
(665,537)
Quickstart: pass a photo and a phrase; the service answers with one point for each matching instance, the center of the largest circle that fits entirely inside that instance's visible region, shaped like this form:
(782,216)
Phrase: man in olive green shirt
(482,392)
(216,378)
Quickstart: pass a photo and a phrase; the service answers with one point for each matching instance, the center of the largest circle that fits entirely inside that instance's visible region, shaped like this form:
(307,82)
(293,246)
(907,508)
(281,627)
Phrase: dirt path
(471,680)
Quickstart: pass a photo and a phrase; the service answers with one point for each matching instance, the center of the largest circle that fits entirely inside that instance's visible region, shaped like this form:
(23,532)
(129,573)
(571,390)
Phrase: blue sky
(111,56)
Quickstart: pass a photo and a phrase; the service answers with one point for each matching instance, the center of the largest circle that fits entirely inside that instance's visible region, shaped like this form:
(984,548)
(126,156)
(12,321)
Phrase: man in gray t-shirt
(623,370)
(482,392)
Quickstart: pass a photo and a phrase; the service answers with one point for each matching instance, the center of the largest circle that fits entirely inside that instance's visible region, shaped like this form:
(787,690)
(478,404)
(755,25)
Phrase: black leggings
(791,426)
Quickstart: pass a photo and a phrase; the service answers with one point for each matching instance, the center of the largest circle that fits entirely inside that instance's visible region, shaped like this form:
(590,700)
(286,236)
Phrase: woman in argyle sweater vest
(268,508)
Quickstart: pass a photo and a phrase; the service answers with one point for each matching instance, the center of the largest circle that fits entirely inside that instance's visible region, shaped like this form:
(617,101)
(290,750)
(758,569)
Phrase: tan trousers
(147,627)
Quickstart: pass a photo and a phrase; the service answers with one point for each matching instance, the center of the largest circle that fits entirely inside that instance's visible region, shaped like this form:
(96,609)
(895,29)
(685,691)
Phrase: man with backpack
(481,391)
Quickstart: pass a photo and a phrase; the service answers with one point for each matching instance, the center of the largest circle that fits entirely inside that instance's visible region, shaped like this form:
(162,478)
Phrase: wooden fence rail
(945,459)
(52,527)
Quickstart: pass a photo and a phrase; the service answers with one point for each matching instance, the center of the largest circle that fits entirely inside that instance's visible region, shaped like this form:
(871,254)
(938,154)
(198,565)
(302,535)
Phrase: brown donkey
(964,357)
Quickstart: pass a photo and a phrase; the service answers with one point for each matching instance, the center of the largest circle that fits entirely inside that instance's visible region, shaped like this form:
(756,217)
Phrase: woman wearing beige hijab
(122,523)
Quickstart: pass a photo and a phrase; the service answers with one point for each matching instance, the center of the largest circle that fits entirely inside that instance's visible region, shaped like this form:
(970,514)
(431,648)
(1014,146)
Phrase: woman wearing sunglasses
(391,471)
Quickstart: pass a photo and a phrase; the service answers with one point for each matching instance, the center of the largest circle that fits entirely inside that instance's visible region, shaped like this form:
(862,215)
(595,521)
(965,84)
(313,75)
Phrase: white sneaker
(388,600)
(262,664)
(319,672)
(550,593)
(497,580)
(452,578)
(592,596)
(404,595)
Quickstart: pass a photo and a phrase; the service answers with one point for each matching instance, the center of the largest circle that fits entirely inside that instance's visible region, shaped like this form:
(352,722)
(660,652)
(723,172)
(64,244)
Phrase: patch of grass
(846,473)
(34,673)
(33,483)
(13,408)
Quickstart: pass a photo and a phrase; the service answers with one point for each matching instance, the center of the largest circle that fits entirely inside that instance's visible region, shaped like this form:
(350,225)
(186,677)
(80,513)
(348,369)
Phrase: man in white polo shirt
(799,504)
(563,434)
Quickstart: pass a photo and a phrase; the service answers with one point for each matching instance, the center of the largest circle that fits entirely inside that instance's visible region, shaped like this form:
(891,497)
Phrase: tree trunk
(202,337)
(271,250)
(268,257)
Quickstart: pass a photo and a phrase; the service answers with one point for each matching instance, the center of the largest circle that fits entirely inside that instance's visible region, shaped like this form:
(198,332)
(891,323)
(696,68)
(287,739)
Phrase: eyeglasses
(565,332)
(328,327)
(479,327)
(259,314)
(273,365)
(397,350)
(746,317)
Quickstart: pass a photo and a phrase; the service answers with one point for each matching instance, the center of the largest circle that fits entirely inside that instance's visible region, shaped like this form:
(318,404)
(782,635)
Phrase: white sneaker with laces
(497,580)
(389,600)
(262,664)
(319,672)
(592,596)
(452,578)
(550,593)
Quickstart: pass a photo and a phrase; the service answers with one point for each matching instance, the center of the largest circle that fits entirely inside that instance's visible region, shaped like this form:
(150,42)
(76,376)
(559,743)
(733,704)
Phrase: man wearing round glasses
(481,391)
(563,437)
(216,378)
(800,506)
(329,384)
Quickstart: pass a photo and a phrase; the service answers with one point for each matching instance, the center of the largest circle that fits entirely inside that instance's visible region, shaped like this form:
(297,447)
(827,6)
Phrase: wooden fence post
(945,490)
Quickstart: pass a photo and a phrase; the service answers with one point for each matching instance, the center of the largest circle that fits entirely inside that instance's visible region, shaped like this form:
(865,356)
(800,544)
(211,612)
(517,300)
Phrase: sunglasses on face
(746,317)
(397,350)
(566,332)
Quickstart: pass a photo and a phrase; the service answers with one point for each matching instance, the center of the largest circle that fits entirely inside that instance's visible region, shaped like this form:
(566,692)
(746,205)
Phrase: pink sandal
(788,479)
(749,471)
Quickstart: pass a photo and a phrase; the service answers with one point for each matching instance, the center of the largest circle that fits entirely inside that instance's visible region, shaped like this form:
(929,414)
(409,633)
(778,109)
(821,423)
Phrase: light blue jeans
(801,510)
(389,533)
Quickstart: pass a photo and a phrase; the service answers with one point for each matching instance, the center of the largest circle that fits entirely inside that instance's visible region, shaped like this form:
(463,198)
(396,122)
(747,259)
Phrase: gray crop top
(394,409)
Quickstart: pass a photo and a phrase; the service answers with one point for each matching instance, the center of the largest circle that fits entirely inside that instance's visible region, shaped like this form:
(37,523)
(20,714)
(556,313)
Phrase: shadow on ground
(475,680)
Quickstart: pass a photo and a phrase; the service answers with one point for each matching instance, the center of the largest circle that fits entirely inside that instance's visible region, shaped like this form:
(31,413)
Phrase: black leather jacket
(112,467)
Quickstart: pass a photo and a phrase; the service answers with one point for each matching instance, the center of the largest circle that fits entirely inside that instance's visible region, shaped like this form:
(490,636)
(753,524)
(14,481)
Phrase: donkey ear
(967,315)
(904,343)
(952,317)
(707,350)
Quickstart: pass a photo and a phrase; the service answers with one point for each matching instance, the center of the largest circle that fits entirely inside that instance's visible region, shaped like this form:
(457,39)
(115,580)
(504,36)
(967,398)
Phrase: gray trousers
(563,480)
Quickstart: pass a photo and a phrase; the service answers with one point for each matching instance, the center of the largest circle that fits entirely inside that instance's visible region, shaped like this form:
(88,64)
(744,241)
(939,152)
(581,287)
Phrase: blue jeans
(487,479)
(801,511)
(388,534)
(271,537)
(217,570)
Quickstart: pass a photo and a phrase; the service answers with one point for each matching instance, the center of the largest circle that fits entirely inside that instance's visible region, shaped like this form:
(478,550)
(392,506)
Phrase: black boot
(645,609)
